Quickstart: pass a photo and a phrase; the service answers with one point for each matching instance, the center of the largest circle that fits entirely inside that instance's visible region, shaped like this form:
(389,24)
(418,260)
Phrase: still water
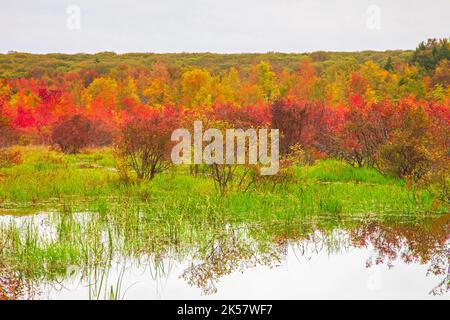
(365,259)
(321,276)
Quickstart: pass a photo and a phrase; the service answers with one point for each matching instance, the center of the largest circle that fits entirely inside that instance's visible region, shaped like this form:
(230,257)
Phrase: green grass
(47,177)
(338,171)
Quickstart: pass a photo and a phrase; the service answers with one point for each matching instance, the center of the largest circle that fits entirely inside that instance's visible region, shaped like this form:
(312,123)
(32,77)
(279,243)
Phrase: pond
(57,255)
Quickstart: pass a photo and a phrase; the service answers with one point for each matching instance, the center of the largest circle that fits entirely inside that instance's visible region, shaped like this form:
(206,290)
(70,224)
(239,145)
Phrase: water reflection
(227,254)
(424,243)
(14,287)
(199,266)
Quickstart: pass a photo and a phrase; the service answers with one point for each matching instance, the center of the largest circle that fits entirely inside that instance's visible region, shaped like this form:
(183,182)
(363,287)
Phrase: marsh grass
(89,179)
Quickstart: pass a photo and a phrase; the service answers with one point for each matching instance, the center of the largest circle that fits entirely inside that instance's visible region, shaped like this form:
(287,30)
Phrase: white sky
(219,25)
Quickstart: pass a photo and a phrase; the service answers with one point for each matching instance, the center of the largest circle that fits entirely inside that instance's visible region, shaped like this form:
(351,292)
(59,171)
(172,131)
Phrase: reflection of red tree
(423,243)
(226,255)
(409,242)
(13,286)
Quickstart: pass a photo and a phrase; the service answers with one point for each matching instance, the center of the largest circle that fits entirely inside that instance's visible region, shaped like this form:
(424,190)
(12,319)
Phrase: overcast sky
(219,25)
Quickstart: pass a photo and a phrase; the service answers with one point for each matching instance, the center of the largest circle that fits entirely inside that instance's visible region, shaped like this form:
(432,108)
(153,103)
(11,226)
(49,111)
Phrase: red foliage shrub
(72,133)
(406,152)
(366,127)
(256,116)
(143,140)
(8,136)
(9,157)
(419,149)
(309,125)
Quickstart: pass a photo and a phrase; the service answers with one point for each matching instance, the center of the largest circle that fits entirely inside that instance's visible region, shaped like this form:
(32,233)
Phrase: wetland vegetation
(70,216)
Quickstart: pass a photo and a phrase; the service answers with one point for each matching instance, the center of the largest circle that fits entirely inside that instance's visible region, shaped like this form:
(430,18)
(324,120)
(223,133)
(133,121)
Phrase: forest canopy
(362,107)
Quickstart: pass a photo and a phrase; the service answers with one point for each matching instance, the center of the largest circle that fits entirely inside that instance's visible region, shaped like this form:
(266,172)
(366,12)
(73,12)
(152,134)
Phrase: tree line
(390,111)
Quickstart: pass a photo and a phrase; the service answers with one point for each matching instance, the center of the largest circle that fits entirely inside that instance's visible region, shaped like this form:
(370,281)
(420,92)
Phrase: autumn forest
(364,150)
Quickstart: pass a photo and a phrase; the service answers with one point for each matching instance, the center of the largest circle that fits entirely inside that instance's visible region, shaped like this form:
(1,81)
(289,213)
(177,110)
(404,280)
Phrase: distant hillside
(17,64)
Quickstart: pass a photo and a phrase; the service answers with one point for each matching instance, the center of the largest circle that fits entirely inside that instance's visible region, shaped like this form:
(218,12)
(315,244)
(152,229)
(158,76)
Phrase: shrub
(8,136)
(407,153)
(286,174)
(72,133)
(245,177)
(366,127)
(227,177)
(143,142)
(419,151)
(312,126)
(9,157)
(122,168)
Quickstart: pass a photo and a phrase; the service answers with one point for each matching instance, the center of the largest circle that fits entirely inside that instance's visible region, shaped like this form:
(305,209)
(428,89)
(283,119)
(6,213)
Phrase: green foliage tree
(428,54)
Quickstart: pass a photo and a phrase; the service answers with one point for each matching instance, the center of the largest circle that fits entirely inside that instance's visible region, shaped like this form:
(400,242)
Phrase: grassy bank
(46,179)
